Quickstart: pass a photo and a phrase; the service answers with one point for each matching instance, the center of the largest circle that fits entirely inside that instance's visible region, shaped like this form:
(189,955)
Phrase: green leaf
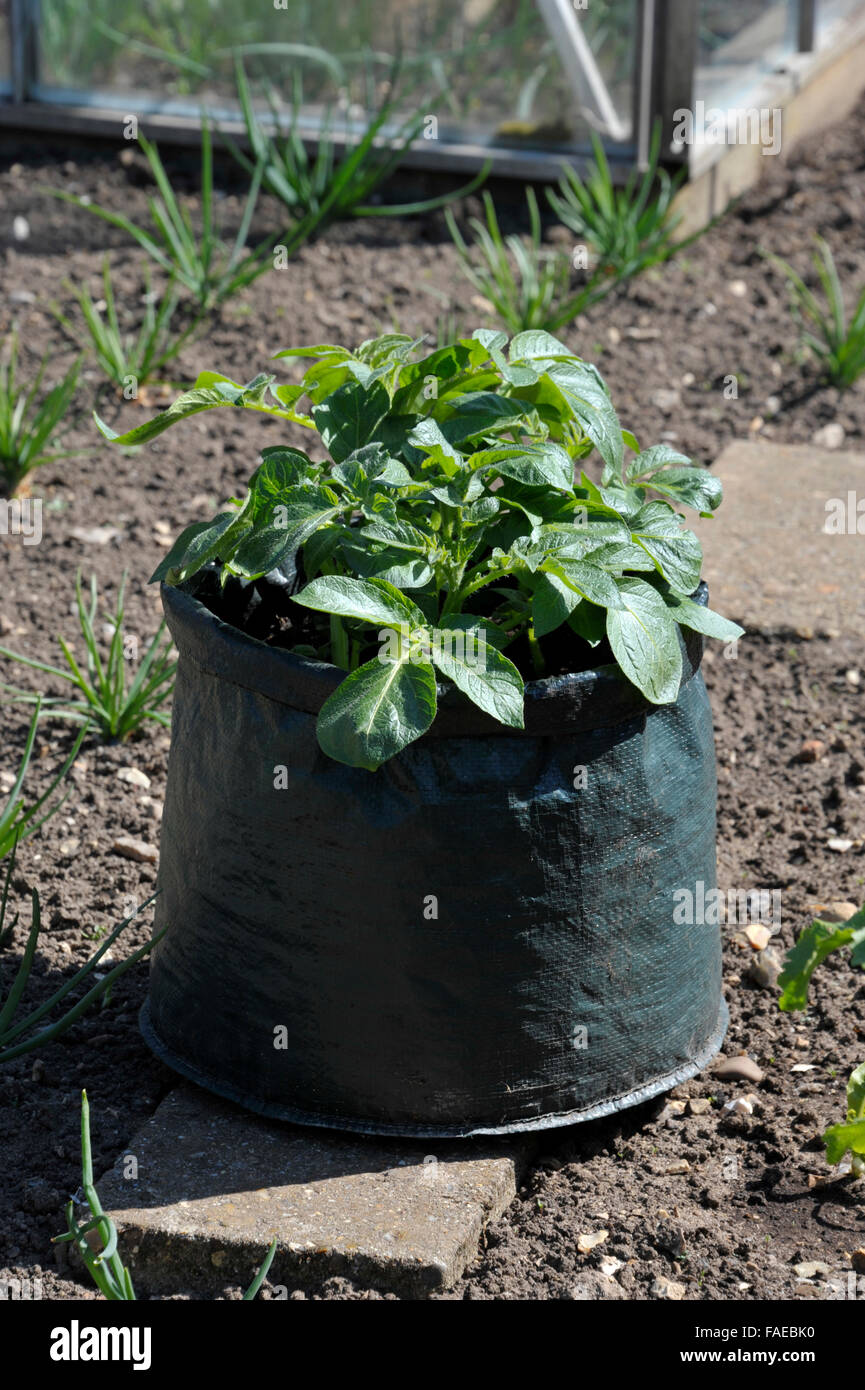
(194,546)
(650,460)
(841,1138)
(587,578)
(676,551)
(534,343)
(589,622)
(368,600)
(536,465)
(816,943)
(427,437)
(690,487)
(645,641)
(480,671)
(553,602)
(702,619)
(378,710)
(350,417)
(190,403)
(476,413)
(592,407)
(291,524)
(856,1093)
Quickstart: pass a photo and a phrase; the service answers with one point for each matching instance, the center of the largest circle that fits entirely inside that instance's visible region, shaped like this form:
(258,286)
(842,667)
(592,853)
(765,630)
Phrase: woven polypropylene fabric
(479,936)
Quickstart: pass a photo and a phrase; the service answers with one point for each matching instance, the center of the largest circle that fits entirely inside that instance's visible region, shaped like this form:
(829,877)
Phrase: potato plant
(447,531)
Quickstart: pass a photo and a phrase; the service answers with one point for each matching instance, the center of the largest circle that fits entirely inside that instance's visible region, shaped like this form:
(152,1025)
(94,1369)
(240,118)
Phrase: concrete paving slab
(211,1185)
(786,551)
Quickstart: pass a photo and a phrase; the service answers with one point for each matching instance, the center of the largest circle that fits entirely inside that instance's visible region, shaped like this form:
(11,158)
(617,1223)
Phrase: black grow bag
(303,973)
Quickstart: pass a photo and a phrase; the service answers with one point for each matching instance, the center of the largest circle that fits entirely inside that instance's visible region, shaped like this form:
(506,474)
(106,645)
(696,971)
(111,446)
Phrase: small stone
(740,1106)
(133,777)
(738,289)
(70,847)
(804,1066)
(95,535)
(802,1043)
(139,850)
(763,969)
(610,1268)
(20,228)
(678,1166)
(666,400)
(738,1069)
(22,297)
(810,1268)
(38,1072)
(772,405)
(688,378)
(829,436)
(64,947)
(852,677)
(758,935)
(837,912)
(670,1237)
(699,1105)
(614,336)
(667,1288)
(839,845)
(811,751)
(587,1242)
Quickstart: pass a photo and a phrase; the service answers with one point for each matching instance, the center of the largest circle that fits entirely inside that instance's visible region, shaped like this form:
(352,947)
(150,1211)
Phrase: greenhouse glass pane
(829,12)
(487,69)
(739,41)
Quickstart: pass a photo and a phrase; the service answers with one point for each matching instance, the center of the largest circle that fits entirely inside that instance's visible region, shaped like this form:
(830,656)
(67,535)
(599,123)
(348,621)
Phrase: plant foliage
(19,1035)
(117,706)
(630,227)
(817,942)
(444,536)
(838,344)
(28,424)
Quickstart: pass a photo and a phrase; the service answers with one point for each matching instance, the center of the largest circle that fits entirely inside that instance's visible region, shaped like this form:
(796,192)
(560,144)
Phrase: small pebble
(699,1105)
(20,228)
(829,436)
(587,1242)
(811,751)
(839,845)
(763,969)
(667,1288)
(738,1069)
(134,777)
(139,850)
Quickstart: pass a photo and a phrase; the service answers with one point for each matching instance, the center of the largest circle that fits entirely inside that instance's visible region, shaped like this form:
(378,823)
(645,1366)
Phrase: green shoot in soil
(118,709)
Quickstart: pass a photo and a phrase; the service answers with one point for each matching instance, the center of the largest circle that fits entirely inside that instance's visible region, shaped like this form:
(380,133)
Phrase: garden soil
(709,1204)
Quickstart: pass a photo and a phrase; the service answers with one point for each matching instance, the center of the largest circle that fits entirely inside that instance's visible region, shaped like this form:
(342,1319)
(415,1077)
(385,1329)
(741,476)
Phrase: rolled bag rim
(556,1120)
(580,701)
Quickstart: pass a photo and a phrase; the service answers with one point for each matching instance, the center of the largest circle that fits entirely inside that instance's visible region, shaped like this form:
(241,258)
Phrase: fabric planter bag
(478,938)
